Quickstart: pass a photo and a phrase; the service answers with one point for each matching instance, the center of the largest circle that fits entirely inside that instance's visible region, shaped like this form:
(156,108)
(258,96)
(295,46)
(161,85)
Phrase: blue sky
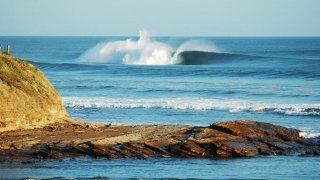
(160,17)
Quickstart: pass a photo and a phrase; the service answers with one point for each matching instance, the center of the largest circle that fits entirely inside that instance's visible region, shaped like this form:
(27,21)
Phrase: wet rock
(141,151)
(158,146)
(220,140)
(27,162)
(84,148)
(46,151)
(252,129)
(237,148)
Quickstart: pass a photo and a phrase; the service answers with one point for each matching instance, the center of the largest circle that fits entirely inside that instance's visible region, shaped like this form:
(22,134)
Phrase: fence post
(8,49)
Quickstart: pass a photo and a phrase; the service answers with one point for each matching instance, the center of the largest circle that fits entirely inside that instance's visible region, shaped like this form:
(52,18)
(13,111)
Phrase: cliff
(27,98)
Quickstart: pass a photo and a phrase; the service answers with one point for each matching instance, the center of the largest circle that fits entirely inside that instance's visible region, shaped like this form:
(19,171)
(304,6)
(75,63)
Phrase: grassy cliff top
(19,74)
(27,96)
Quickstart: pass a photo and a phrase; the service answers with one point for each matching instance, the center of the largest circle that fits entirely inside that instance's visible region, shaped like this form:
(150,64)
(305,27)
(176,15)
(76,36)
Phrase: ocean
(180,80)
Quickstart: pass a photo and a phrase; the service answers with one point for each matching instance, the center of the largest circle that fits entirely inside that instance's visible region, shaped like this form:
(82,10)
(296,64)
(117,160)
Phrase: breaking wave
(144,51)
(194,104)
(309,133)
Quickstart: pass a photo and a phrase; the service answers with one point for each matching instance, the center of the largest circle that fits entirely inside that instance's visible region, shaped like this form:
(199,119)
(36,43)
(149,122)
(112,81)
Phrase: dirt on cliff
(27,98)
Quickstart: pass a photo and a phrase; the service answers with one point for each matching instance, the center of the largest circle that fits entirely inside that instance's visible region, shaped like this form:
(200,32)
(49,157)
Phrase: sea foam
(143,51)
(231,105)
(309,133)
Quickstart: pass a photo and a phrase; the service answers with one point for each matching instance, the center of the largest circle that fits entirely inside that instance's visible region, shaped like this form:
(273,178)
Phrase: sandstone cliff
(27,98)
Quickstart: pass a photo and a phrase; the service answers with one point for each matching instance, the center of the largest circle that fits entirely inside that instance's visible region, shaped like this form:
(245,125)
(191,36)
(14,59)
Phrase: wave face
(193,104)
(202,57)
(143,51)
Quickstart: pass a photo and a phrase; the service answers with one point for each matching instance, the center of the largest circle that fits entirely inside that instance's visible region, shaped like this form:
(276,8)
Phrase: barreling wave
(145,51)
(193,104)
(202,57)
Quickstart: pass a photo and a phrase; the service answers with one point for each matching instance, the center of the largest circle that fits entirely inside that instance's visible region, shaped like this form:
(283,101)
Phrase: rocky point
(34,124)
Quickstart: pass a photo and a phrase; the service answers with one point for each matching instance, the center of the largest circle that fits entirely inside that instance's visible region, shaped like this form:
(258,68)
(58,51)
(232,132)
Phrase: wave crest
(143,51)
(194,104)
(310,133)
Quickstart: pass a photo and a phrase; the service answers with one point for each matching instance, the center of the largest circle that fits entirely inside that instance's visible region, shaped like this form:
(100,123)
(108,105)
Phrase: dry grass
(26,95)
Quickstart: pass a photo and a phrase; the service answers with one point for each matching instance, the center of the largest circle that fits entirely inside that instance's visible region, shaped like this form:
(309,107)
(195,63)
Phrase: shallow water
(276,80)
(271,167)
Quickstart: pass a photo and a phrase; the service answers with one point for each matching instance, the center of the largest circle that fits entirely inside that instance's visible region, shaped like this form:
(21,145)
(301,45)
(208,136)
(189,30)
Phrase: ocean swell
(146,51)
(193,104)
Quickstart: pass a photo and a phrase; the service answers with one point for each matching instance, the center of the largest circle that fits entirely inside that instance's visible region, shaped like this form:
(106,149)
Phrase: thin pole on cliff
(8,49)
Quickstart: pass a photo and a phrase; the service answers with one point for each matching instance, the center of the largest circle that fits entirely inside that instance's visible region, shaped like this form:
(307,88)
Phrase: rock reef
(242,138)
(34,124)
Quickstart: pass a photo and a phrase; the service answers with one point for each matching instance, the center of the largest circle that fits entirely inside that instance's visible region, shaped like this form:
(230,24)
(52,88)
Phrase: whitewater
(143,51)
(230,105)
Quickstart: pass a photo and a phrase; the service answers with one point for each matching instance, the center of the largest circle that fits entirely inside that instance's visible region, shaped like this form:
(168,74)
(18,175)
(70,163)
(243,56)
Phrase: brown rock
(256,129)
(220,140)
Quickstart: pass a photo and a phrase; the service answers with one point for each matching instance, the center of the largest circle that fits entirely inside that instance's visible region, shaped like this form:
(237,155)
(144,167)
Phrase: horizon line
(195,36)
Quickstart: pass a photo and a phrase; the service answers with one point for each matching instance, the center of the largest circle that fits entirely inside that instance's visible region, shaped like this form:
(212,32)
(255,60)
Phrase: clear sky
(160,17)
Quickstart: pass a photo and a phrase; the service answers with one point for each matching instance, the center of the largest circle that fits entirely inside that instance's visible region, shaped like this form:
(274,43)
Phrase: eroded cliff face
(27,98)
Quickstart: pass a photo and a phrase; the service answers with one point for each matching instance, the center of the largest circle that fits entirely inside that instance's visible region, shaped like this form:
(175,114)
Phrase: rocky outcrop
(242,138)
(27,98)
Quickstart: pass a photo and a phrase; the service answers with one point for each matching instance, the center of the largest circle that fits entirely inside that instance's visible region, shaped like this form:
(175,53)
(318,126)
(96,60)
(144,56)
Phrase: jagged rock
(220,140)
(257,129)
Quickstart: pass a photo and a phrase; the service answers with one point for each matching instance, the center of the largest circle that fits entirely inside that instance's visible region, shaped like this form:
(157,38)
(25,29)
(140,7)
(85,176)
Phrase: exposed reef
(242,138)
